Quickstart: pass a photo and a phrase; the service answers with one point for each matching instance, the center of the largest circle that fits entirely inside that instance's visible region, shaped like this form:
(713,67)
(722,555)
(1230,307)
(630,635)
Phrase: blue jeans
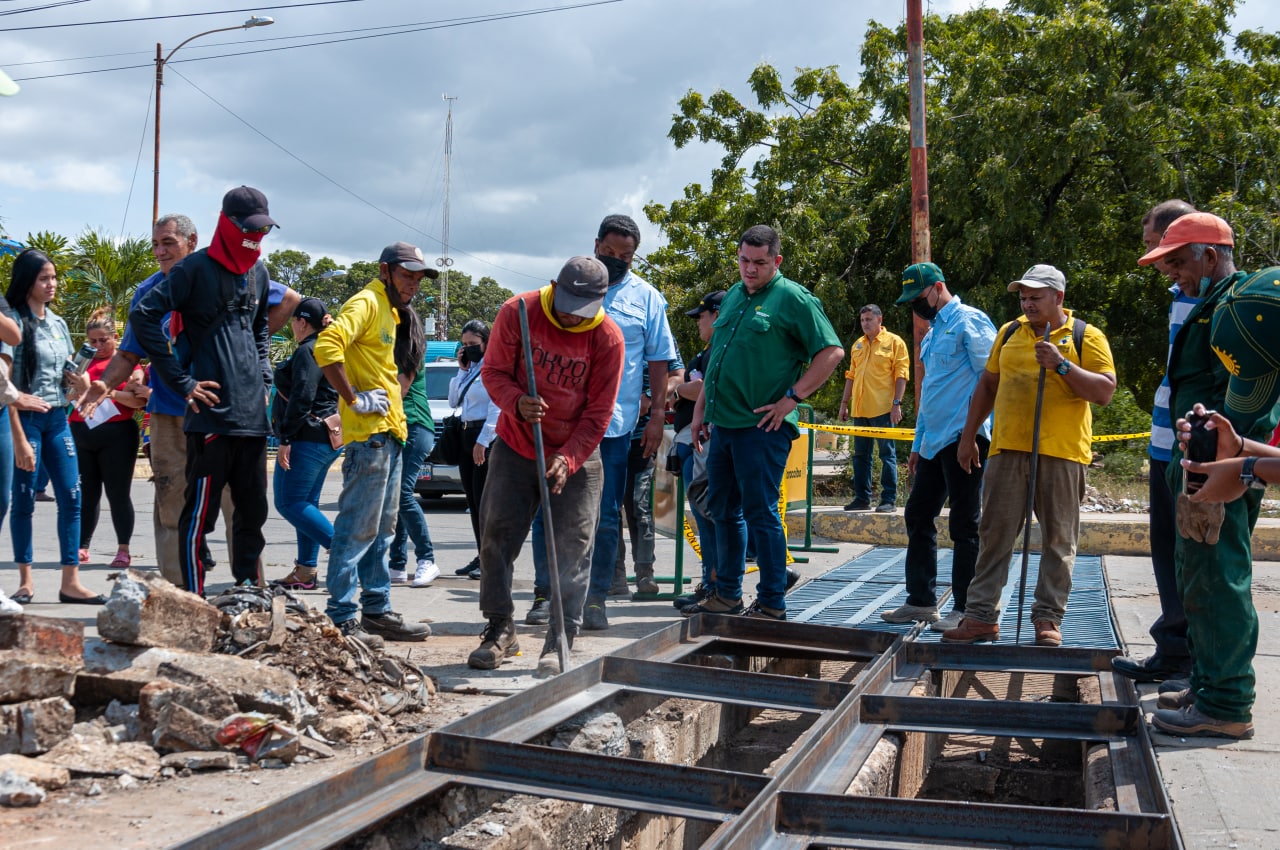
(297,497)
(412,523)
(604,551)
(50,437)
(744,476)
(362,533)
(706,528)
(862,447)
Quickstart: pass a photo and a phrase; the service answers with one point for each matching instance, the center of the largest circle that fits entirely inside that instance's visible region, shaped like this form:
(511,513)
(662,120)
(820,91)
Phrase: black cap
(408,257)
(710,303)
(247,207)
(312,311)
(581,286)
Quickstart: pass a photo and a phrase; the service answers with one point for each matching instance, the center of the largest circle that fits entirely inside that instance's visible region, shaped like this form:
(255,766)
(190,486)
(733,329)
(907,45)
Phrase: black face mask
(617,268)
(922,308)
(473,353)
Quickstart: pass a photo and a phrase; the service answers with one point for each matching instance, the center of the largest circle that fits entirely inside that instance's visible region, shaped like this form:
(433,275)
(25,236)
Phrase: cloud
(73,177)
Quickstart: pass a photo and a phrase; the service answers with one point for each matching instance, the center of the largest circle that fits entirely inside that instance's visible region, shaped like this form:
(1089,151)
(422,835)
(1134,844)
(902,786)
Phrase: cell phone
(1201,448)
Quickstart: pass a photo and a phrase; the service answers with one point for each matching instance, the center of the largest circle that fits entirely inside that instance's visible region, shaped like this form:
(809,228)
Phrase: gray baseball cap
(1041,277)
(581,287)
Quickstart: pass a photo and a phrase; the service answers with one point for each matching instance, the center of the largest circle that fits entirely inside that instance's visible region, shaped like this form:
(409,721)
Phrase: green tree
(468,301)
(105,272)
(1053,126)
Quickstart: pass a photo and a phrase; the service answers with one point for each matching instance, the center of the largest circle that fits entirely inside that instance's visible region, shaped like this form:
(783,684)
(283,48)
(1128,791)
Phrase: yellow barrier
(909,434)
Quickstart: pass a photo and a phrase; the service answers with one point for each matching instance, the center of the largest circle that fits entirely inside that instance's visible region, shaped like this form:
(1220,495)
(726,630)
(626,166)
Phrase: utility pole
(920,250)
(442,332)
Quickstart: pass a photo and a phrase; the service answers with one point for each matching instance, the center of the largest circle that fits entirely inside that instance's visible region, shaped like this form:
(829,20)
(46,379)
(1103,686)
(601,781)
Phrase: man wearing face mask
(362,353)
(953,353)
(219,365)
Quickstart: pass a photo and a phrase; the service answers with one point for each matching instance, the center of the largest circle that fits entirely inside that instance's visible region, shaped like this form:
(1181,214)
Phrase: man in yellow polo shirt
(1078,370)
(878,368)
(357,353)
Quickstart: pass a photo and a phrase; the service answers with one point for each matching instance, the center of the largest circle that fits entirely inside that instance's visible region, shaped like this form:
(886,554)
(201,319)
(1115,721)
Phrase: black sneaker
(761,612)
(473,564)
(594,618)
(540,613)
(497,642)
(393,627)
(351,629)
(793,577)
(700,593)
(858,505)
(714,604)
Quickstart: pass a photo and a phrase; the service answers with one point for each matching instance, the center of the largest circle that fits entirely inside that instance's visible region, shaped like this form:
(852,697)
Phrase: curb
(1117,534)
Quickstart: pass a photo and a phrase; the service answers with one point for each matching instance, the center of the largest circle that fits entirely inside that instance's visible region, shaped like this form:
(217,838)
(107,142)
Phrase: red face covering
(232,248)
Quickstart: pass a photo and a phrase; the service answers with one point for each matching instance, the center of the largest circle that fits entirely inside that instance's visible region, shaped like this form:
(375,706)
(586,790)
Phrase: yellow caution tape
(909,434)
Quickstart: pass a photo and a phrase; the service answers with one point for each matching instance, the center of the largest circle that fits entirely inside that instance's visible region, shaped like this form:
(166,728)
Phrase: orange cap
(1191,229)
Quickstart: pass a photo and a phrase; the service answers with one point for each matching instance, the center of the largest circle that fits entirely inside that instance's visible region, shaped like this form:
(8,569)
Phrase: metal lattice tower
(444,261)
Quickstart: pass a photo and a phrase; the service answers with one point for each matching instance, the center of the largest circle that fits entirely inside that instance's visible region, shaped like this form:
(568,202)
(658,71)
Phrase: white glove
(372,401)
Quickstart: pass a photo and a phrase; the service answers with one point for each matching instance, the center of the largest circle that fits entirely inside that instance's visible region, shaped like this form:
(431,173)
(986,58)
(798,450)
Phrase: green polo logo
(387,339)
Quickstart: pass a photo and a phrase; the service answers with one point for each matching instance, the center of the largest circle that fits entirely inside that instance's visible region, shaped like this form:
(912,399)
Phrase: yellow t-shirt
(363,338)
(874,367)
(1066,423)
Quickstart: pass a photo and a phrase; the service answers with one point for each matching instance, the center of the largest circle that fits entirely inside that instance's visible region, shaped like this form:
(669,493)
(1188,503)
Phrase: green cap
(917,279)
(1245,328)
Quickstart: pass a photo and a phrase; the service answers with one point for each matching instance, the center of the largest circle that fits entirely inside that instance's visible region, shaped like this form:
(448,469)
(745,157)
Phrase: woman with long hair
(479,423)
(108,449)
(411,523)
(304,398)
(42,380)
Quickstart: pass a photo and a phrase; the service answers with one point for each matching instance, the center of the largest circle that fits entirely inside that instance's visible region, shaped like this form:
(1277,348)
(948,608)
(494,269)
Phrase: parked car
(436,481)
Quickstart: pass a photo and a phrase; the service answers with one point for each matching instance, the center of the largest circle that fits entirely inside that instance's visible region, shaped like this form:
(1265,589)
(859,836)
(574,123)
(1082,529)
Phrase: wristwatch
(897,402)
(1247,477)
(1064,367)
(793,395)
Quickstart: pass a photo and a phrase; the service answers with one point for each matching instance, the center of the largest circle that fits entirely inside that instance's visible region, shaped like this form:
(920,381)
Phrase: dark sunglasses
(266,228)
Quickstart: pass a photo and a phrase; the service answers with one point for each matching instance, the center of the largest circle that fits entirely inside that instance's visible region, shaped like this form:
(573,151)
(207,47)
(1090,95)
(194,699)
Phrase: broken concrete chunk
(48,636)
(146,610)
(599,732)
(96,757)
(126,715)
(35,726)
(48,776)
(206,700)
(28,675)
(346,728)
(179,729)
(220,760)
(311,746)
(16,791)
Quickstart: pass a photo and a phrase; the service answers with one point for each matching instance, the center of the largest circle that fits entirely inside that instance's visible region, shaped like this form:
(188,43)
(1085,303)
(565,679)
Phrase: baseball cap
(916,279)
(247,207)
(407,257)
(1191,229)
(312,310)
(1041,276)
(581,287)
(710,303)
(1243,334)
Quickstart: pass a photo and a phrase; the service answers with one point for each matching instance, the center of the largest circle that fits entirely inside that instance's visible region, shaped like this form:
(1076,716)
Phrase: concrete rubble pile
(175,684)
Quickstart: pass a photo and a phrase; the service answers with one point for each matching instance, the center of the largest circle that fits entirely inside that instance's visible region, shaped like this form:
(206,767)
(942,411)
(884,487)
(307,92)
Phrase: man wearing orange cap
(1217,360)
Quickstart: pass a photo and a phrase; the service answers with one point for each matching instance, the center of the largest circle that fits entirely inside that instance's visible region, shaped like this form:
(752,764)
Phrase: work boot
(540,613)
(911,614)
(972,631)
(393,627)
(619,586)
(1153,668)
(714,604)
(1047,633)
(644,579)
(594,618)
(793,577)
(1176,699)
(1190,721)
(858,505)
(699,593)
(764,613)
(549,660)
(351,629)
(885,508)
(497,642)
(1172,686)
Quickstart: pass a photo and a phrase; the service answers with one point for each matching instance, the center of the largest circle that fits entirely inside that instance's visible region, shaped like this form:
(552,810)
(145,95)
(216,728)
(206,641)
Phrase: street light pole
(161,59)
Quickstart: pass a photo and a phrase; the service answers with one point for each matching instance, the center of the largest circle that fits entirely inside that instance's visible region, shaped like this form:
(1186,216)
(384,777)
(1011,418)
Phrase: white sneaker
(8,607)
(426,573)
(399,577)
(949,622)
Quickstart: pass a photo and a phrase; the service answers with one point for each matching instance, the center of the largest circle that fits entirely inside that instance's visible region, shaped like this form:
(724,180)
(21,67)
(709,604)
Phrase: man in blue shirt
(954,354)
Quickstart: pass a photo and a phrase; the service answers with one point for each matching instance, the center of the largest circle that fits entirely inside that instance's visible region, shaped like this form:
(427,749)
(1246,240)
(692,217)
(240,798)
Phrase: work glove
(372,401)
(1199,521)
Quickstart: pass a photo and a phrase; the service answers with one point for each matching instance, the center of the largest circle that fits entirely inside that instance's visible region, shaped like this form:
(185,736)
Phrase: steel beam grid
(803,804)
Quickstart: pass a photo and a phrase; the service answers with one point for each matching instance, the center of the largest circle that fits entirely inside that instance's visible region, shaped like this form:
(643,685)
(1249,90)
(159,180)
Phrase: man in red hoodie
(577,363)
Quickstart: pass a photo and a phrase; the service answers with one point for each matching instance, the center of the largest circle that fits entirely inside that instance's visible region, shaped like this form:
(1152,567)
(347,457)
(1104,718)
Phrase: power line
(42,8)
(370,204)
(448,24)
(182,15)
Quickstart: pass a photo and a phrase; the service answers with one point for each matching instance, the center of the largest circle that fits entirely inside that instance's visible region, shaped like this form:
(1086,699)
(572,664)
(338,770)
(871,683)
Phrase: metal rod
(1031,492)
(553,566)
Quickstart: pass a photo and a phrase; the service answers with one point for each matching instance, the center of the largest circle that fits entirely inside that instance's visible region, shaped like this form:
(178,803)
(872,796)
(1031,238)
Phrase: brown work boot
(1190,721)
(645,582)
(1047,633)
(972,631)
(497,643)
(1175,700)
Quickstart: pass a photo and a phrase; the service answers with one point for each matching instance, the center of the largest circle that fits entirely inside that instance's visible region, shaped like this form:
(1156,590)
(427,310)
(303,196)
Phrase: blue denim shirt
(641,312)
(1161,419)
(163,400)
(954,353)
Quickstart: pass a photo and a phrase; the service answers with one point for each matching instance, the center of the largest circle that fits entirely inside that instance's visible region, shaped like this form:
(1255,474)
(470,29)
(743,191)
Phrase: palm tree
(104,272)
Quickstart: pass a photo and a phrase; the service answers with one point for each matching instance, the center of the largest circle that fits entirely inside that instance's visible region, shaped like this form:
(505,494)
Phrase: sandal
(22,597)
(123,559)
(302,578)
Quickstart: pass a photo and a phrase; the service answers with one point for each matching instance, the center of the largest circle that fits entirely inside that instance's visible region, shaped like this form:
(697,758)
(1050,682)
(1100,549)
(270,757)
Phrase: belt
(473,423)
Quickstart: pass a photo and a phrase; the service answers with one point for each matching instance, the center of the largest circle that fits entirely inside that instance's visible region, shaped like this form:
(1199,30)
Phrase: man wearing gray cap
(577,362)
(1078,369)
(361,352)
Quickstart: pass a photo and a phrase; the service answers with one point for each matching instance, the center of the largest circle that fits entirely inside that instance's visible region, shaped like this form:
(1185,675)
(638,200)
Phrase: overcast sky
(561,118)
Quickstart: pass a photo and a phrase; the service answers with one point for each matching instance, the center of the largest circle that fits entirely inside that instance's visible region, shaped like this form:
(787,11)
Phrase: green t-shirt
(417,409)
(760,346)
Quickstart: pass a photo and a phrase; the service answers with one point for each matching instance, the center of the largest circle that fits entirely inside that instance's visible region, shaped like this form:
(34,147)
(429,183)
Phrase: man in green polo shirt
(772,346)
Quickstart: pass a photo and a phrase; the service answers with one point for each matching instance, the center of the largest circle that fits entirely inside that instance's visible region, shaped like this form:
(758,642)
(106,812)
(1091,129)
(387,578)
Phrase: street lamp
(161,59)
